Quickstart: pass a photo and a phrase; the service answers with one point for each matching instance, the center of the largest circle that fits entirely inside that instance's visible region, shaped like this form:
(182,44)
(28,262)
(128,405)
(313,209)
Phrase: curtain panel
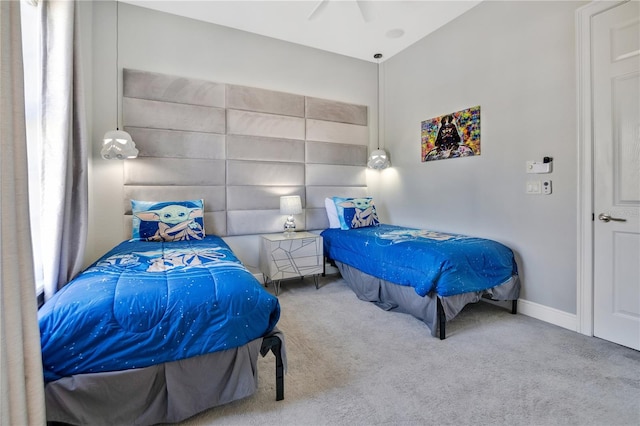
(63,167)
(21,381)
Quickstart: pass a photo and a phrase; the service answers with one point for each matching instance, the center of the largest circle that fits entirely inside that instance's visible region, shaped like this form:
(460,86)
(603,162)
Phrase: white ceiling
(355,28)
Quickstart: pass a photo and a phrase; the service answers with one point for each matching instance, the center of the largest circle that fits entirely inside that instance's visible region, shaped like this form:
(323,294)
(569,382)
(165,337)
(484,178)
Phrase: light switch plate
(533,187)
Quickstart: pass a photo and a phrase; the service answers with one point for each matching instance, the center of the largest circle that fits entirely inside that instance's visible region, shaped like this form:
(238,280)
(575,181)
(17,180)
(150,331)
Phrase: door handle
(606,218)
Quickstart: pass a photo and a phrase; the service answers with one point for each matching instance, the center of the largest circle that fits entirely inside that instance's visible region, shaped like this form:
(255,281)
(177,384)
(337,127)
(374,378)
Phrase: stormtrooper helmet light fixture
(118,145)
(378,159)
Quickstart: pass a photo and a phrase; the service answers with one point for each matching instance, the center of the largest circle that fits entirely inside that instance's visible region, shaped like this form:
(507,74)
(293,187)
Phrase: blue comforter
(146,303)
(428,261)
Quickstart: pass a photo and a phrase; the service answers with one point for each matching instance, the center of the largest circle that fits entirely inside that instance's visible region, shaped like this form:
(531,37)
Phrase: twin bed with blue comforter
(154,309)
(431,275)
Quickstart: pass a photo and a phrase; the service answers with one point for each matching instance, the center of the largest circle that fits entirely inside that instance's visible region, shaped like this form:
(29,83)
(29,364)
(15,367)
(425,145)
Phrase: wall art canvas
(451,135)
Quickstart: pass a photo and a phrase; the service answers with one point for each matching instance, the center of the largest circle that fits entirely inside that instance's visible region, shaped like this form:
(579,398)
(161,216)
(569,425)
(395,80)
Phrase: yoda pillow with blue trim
(168,220)
(356,212)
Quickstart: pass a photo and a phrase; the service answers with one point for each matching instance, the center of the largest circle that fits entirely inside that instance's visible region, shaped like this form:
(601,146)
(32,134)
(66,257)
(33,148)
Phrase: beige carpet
(351,363)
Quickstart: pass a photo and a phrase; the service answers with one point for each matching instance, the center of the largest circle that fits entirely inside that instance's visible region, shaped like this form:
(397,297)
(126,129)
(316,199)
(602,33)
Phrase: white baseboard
(547,314)
(525,307)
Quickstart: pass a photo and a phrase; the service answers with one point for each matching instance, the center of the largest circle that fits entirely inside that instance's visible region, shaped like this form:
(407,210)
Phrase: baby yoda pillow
(332,213)
(168,220)
(356,212)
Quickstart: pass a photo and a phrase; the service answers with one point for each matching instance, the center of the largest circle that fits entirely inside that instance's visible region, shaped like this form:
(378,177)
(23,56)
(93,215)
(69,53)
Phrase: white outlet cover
(533,187)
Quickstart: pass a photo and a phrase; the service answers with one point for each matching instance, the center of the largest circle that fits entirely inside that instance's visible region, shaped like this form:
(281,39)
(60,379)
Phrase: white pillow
(332,213)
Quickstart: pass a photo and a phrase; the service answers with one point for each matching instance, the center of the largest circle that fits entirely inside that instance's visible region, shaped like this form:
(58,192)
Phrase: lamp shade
(378,160)
(290,205)
(118,145)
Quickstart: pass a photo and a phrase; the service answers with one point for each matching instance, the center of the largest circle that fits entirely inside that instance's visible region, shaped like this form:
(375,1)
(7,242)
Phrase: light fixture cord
(378,100)
(378,56)
(117,64)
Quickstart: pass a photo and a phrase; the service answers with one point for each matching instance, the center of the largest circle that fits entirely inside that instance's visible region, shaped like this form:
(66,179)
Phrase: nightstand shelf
(293,255)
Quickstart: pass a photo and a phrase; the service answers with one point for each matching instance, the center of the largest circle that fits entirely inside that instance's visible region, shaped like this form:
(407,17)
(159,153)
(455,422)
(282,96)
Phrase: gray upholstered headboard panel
(240,148)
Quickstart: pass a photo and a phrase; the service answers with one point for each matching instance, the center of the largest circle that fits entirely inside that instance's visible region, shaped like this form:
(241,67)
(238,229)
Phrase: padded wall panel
(323,109)
(317,194)
(334,153)
(328,131)
(128,227)
(174,171)
(265,149)
(162,87)
(213,196)
(177,144)
(329,174)
(316,218)
(269,125)
(242,222)
(242,148)
(215,223)
(260,197)
(261,100)
(172,116)
(264,173)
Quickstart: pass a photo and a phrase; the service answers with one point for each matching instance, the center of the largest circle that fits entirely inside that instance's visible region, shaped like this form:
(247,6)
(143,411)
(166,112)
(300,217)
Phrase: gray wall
(514,59)
(164,43)
(517,61)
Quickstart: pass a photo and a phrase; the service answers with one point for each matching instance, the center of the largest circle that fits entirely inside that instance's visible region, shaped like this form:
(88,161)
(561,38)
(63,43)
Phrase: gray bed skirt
(399,298)
(164,393)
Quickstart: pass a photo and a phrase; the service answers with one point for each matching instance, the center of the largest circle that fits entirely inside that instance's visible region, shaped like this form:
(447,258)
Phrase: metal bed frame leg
(442,319)
(274,344)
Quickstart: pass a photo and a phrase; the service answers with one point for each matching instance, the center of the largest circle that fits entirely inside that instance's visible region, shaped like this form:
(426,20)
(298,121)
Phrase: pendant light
(378,159)
(118,144)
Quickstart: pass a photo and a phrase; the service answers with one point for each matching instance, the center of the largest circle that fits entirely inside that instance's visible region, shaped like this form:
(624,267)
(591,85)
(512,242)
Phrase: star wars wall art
(451,135)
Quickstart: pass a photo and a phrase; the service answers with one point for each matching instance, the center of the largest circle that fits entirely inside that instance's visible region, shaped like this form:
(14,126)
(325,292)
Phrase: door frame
(585,243)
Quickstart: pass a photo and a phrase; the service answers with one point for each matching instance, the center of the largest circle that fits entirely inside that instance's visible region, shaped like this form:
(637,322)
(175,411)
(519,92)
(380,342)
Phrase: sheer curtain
(63,167)
(21,381)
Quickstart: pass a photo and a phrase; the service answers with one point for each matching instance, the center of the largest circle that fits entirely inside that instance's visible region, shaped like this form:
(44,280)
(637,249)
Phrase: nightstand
(291,255)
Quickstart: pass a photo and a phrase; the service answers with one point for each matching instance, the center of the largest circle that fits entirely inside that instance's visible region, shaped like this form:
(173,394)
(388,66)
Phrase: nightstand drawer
(301,266)
(291,255)
(297,249)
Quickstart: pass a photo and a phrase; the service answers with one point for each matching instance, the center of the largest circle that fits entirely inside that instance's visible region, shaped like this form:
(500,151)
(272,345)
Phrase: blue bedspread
(146,303)
(428,261)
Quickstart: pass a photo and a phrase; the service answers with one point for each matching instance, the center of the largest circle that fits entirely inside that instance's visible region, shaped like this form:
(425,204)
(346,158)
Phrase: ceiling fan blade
(365,9)
(316,10)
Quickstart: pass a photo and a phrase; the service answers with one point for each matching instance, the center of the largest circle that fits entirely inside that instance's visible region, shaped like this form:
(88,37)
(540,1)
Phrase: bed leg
(274,344)
(514,307)
(441,319)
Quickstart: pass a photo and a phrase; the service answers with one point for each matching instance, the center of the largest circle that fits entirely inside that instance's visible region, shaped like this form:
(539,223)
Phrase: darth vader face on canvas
(448,136)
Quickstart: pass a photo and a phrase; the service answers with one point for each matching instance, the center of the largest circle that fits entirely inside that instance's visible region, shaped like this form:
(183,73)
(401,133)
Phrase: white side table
(292,255)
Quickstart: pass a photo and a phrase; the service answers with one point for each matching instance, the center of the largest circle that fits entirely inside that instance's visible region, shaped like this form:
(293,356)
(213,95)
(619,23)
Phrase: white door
(616,179)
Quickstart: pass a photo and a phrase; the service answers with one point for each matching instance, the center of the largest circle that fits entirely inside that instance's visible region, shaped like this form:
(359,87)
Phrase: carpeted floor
(351,363)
